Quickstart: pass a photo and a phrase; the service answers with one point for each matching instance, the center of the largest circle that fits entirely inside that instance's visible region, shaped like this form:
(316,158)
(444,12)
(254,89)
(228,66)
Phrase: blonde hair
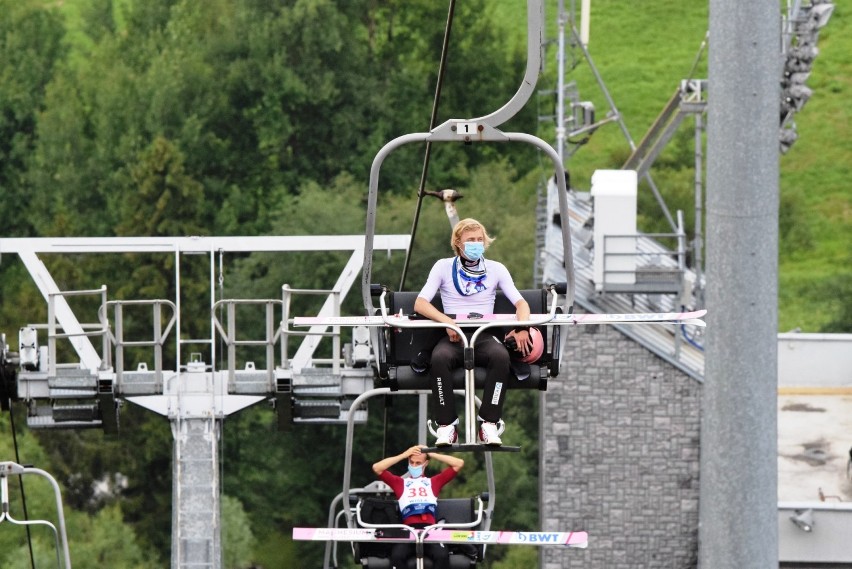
(467,224)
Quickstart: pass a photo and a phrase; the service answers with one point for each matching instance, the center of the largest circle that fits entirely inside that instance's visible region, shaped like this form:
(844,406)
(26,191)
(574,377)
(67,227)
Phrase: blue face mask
(415,471)
(473,250)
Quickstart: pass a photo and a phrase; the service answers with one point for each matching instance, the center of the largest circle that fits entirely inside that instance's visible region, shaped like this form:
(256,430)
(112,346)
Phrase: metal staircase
(688,99)
(675,345)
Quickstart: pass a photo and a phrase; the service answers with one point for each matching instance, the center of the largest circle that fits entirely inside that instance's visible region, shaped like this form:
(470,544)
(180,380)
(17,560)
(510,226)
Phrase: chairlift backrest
(456,510)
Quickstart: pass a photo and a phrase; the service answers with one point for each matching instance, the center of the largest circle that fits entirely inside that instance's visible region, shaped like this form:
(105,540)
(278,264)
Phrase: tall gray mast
(738,496)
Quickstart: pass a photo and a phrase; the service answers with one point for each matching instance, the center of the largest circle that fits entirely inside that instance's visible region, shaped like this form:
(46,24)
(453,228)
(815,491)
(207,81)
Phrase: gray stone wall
(620,455)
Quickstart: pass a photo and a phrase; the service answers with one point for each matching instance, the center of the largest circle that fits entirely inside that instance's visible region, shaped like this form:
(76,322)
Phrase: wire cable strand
(428,153)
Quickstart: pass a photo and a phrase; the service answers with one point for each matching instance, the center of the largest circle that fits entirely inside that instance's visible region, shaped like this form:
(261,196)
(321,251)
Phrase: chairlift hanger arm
(9,468)
(535,37)
(463,131)
(482,129)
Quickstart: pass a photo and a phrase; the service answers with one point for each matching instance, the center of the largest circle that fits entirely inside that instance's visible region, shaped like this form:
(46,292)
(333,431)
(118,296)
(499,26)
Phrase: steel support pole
(738,497)
(196,524)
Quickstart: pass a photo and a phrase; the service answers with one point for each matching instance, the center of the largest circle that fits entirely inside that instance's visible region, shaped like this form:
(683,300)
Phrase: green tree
(237,538)
(103,540)
(94,541)
(165,199)
(30,49)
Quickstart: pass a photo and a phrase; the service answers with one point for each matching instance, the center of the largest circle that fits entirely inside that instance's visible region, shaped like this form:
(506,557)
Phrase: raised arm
(453,462)
(386,463)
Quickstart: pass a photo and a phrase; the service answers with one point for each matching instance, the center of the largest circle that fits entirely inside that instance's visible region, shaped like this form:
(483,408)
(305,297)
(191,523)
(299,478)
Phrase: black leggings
(401,553)
(489,352)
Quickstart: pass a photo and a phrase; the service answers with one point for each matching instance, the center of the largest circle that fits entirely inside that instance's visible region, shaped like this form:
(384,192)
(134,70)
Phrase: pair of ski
(693,318)
(578,539)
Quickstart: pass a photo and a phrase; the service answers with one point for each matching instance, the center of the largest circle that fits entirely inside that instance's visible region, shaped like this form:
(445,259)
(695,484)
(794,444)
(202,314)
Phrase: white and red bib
(417,497)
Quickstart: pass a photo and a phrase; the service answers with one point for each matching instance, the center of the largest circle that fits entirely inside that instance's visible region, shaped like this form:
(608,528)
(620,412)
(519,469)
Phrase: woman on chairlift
(468,283)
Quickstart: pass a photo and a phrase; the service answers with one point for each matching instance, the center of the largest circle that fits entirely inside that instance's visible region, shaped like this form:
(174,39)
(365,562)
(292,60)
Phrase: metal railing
(647,271)
(95,329)
(118,338)
(229,334)
(334,295)
(276,332)
(113,335)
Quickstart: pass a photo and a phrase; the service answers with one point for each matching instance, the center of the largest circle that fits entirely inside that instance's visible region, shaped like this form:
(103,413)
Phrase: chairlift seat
(385,510)
(401,345)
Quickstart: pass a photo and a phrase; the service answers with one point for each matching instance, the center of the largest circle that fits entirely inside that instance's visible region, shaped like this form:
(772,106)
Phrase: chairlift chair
(397,347)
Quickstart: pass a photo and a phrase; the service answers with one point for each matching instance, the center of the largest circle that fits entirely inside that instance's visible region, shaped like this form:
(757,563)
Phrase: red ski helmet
(537,349)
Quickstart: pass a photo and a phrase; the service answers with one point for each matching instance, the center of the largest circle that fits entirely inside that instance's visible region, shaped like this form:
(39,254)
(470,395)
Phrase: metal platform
(472,448)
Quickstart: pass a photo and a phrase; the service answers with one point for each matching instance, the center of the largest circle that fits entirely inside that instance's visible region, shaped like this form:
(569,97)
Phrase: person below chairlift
(467,284)
(418,499)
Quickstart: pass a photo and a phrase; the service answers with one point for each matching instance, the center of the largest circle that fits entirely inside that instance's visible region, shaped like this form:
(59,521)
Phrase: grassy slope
(816,170)
(642,50)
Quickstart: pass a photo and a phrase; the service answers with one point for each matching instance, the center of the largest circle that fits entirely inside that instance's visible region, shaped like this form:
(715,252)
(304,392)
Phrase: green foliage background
(247,117)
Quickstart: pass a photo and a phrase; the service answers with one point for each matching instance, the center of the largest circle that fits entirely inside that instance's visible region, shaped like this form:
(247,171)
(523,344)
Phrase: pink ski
(692,318)
(579,539)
